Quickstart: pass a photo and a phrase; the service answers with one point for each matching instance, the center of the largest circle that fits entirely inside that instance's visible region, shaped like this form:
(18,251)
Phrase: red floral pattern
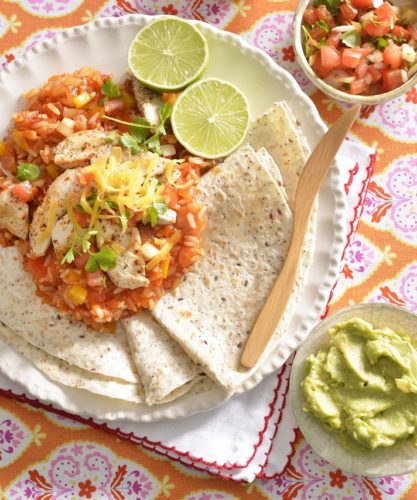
(337,479)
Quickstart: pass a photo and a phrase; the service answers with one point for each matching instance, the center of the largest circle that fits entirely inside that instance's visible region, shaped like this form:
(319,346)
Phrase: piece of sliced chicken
(14,214)
(62,235)
(130,266)
(148,102)
(54,201)
(82,148)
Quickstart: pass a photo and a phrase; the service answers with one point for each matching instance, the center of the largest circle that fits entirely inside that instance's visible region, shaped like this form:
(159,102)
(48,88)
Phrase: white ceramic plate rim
(74,400)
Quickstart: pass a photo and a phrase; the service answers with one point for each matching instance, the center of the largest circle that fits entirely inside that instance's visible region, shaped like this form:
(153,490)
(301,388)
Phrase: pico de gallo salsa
(359,46)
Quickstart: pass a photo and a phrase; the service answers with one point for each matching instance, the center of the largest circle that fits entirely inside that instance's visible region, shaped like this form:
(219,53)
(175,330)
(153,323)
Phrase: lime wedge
(211,118)
(168,54)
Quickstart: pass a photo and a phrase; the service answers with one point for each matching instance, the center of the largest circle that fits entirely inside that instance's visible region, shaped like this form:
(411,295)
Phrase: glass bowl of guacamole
(354,389)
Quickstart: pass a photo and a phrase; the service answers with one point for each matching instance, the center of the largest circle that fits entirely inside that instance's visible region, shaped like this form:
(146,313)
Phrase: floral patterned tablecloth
(45,456)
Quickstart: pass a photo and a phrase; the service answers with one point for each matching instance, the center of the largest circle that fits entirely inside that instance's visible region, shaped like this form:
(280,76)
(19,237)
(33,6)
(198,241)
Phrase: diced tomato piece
(172,193)
(318,33)
(385,12)
(323,14)
(365,51)
(361,69)
(114,106)
(333,39)
(359,86)
(392,79)
(85,178)
(375,73)
(81,260)
(377,29)
(348,11)
(83,219)
(23,191)
(351,57)
(413,31)
(401,33)
(36,267)
(393,56)
(330,57)
(321,71)
(309,16)
(362,4)
(95,279)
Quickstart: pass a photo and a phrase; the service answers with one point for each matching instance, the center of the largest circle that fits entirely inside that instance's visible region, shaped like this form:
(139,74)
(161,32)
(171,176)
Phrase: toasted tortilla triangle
(248,228)
(42,326)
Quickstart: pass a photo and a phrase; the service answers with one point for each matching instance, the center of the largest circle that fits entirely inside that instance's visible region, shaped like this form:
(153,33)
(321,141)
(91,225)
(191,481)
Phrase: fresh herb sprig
(110,90)
(80,240)
(136,139)
(105,260)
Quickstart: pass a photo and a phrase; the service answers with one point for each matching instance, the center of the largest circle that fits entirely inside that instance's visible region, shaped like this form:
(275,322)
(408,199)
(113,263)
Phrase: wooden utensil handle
(274,308)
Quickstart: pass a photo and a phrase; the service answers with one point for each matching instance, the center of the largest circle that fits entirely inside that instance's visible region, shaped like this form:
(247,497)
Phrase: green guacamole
(362,386)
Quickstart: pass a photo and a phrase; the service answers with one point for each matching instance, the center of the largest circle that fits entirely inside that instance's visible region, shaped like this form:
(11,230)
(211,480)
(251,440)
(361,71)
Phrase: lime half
(211,118)
(168,54)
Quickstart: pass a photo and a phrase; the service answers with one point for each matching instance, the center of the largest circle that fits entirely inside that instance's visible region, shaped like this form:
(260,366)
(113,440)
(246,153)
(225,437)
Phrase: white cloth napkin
(251,435)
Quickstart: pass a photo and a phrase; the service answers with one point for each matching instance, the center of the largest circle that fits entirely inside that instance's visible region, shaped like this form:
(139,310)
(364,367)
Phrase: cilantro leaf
(153,215)
(137,123)
(105,259)
(306,44)
(79,241)
(165,111)
(153,144)
(351,39)
(128,141)
(68,257)
(91,265)
(111,137)
(110,89)
(139,134)
(321,43)
(323,25)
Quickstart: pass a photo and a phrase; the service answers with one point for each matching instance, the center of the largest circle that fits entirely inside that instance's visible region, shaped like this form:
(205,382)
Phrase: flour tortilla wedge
(42,326)
(279,133)
(248,227)
(70,375)
(165,369)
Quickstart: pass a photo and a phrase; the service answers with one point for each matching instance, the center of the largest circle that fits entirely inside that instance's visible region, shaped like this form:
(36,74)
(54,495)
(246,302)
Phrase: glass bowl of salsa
(357,51)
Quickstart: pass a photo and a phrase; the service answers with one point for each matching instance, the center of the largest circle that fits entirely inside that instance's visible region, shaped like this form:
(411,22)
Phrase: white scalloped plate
(103,44)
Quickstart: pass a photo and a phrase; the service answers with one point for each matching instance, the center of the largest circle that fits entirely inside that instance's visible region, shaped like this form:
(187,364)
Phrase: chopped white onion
(368,79)
(404,75)
(375,57)
(380,65)
(343,29)
(408,53)
(367,17)
(168,150)
(148,251)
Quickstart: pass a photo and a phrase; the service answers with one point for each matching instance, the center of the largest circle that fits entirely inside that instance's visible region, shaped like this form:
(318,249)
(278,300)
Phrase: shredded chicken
(14,214)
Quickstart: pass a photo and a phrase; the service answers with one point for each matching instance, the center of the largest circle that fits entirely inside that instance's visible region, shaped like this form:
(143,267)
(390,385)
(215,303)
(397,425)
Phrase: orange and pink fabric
(45,455)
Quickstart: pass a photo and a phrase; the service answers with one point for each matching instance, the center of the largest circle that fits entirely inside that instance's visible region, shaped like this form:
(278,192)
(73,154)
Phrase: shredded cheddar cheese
(162,254)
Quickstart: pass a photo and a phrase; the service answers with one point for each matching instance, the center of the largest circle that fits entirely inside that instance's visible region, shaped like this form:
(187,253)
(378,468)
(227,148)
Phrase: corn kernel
(82,99)
(53,170)
(3,149)
(77,294)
